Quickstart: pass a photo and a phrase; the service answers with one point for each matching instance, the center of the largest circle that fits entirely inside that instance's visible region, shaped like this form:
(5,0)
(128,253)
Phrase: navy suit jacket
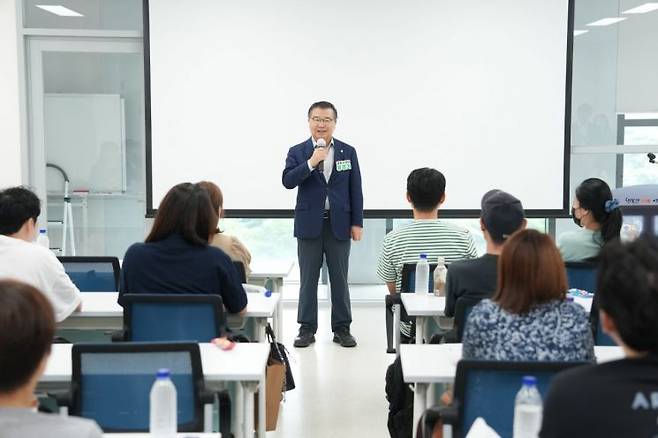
(343,190)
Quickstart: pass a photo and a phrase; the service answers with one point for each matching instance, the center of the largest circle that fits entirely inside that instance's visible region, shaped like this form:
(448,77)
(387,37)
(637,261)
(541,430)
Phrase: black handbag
(279,353)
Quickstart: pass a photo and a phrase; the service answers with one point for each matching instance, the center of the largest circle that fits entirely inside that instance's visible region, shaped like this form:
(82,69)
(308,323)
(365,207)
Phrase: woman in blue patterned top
(529,318)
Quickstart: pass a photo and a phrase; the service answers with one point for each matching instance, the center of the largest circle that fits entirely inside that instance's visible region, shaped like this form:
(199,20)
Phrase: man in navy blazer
(328,212)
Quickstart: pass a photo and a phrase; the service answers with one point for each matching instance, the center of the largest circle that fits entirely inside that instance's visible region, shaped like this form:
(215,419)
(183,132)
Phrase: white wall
(10,132)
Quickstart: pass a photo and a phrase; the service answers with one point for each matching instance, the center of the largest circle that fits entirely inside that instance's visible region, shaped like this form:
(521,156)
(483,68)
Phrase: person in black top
(501,215)
(619,398)
(176,256)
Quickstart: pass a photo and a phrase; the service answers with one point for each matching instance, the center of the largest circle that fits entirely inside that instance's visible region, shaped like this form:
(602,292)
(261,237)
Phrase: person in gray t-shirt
(27,327)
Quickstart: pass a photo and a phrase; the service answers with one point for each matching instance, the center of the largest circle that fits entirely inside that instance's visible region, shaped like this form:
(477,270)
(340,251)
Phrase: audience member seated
(22,259)
(177,257)
(27,326)
(618,398)
(599,217)
(501,215)
(231,245)
(529,318)
(426,234)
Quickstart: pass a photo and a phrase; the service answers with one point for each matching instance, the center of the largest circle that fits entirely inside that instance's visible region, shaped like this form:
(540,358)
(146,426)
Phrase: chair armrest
(118,336)
(392,299)
(63,398)
(449,414)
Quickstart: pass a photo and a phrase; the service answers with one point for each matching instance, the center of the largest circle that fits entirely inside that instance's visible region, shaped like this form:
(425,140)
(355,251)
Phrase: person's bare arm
(391,287)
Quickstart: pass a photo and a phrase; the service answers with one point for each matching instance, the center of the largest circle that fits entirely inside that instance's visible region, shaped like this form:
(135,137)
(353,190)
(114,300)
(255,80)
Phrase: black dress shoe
(344,338)
(304,339)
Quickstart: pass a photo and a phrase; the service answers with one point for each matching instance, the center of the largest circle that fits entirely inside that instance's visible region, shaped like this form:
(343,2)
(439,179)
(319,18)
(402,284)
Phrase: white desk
(422,306)
(244,364)
(275,271)
(425,306)
(100,311)
(423,365)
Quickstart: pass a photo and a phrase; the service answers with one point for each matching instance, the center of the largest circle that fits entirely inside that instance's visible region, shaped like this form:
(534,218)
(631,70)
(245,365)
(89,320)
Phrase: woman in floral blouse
(529,318)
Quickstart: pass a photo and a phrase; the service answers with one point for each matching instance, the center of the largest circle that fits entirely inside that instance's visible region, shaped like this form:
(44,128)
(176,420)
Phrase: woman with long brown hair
(176,256)
(529,317)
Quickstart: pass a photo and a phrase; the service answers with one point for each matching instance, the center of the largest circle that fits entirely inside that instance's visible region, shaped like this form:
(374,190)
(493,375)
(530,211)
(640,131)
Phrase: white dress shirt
(328,166)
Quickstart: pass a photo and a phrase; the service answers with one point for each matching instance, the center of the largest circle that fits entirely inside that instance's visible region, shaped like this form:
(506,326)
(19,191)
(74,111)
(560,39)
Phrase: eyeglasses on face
(325,120)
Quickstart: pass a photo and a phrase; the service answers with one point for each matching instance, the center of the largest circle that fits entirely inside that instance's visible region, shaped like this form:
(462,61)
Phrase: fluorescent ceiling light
(607,21)
(60,10)
(642,9)
(579,32)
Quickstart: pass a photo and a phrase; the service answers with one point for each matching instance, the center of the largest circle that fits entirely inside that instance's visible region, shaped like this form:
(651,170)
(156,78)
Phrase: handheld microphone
(321,144)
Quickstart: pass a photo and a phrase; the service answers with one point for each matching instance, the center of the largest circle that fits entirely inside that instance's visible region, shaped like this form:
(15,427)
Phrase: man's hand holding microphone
(319,155)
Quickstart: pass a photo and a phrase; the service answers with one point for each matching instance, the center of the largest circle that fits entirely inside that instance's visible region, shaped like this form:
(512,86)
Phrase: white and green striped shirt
(429,236)
(432,237)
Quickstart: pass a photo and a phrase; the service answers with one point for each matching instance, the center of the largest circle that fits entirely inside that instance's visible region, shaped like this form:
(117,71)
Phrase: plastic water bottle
(42,238)
(422,275)
(163,420)
(440,274)
(527,410)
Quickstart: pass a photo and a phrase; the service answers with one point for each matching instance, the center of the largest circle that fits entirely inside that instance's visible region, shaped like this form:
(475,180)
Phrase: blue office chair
(408,284)
(111,385)
(488,389)
(93,274)
(172,317)
(582,275)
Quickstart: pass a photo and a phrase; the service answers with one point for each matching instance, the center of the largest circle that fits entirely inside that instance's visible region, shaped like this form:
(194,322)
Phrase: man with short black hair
(27,326)
(500,216)
(24,260)
(328,213)
(426,234)
(618,398)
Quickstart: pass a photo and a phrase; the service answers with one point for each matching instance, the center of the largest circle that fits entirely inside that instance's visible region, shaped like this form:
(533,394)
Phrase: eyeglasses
(325,120)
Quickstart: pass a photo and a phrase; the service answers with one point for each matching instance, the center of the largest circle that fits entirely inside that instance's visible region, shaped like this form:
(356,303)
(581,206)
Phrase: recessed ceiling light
(607,21)
(643,9)
(60,10)
(579,32)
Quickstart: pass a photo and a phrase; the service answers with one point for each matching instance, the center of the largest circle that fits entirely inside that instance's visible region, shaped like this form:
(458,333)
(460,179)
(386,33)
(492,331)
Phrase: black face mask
(573,216)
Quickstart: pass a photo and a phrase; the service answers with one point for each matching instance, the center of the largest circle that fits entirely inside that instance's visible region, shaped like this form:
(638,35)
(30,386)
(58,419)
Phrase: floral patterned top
(552,331)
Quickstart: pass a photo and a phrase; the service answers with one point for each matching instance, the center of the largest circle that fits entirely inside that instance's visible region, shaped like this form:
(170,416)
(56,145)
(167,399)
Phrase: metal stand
(67,221)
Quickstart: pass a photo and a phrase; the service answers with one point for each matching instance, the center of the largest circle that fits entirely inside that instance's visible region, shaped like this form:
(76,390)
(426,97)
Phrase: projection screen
(477,89)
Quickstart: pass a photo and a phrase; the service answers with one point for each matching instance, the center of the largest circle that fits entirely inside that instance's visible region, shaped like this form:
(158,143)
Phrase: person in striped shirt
(426,234)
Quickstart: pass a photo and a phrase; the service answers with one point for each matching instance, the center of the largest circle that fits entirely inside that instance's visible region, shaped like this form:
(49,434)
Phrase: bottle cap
(163,373)
(529,380)
(268,293)
(42,231)
(423,255)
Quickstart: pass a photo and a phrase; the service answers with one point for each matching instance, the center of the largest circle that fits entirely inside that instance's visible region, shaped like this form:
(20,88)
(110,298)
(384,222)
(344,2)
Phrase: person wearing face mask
(598,215)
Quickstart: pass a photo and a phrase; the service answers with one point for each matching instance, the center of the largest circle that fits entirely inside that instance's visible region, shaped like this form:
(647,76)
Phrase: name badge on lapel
(343,165)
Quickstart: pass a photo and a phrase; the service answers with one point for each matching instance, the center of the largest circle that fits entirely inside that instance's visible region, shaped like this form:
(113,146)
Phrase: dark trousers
(310,253)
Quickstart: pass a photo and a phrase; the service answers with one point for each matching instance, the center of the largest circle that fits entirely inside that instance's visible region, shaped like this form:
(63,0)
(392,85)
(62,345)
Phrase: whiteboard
(477,89)
(85,135)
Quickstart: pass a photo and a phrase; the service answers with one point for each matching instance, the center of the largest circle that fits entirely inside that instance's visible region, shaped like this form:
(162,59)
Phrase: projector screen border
(368,214)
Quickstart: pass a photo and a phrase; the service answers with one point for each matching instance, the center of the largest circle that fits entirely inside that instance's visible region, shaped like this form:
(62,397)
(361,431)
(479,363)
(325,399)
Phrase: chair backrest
(600,337)
(408,280)
(111,383)
(172,317)
(93,274)
(242,273)
(463,307)
(582,275)
(488,389)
